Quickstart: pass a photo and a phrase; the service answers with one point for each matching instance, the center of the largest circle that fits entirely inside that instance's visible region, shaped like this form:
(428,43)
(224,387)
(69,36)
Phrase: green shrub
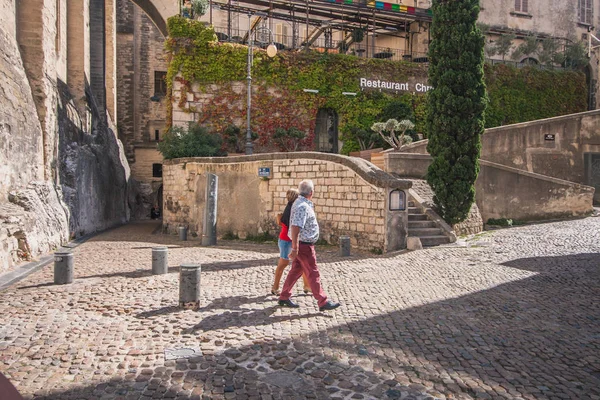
(260,238)
(195,141)
(456,104)
(500,222)
(230,236)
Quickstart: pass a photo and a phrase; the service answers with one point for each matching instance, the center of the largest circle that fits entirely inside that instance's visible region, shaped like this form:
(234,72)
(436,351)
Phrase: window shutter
(524,6)
(588,12)
(517,5)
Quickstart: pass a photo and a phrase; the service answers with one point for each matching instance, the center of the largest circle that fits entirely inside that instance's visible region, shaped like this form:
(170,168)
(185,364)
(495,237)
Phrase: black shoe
(288,303)
(330,305)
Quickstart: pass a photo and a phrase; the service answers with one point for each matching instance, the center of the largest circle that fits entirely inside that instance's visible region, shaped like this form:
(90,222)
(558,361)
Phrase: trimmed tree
(456,106)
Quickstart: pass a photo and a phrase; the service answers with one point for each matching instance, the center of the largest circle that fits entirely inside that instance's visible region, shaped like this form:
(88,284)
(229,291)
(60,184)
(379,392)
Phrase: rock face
(93,171)
(63,179)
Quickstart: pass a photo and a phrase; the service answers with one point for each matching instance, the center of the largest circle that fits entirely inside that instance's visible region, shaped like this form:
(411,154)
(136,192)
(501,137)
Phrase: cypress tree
(456,106)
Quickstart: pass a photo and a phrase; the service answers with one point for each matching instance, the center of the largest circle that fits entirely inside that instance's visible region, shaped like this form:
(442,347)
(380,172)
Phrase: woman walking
(285,243)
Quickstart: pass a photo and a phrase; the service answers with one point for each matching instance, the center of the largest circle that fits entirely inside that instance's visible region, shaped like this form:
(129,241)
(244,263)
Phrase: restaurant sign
(418,87)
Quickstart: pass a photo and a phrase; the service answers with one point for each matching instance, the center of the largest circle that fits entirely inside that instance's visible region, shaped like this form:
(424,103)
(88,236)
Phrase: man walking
(304,232)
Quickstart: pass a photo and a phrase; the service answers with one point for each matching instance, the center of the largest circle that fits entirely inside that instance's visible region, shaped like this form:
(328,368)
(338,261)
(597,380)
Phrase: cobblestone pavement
(513,313)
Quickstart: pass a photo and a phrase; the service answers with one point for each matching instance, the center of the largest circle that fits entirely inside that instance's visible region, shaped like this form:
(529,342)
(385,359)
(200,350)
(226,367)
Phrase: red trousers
(305,261)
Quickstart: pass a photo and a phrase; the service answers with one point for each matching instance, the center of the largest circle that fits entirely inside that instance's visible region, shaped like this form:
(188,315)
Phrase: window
(160,83)
(584,12)
(156,135)
(522,6)
(157,170)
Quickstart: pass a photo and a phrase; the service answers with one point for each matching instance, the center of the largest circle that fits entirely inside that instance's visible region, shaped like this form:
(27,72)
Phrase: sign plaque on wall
(550,136)
(264,172)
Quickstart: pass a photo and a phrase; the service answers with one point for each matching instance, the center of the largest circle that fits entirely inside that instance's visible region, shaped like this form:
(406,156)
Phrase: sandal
(307,291)
(275,292)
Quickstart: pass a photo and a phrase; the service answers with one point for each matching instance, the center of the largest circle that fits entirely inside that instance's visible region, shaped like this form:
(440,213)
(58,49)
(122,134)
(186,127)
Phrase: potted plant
(358,35)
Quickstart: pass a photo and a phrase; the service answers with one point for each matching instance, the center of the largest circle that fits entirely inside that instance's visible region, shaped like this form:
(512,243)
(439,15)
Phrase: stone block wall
(507,192)
(350,198)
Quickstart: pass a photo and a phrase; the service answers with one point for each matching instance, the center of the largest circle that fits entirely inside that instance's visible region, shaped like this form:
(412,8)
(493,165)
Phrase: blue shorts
(285,248)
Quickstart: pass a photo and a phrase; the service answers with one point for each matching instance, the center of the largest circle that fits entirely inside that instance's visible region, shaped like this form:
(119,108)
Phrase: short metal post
(159,260)
(189,286)
(209,231)
(344,246)
(63,267)
(183,233)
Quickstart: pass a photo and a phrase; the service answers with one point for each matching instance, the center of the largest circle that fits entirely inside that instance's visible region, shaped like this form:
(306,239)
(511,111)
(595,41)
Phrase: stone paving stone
(518,318)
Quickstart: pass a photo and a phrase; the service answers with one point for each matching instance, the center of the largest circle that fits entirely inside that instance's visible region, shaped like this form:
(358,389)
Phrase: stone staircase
(419,225)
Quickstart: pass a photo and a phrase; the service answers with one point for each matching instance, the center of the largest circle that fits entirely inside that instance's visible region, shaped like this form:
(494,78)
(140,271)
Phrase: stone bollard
(63,267)
(159,260)
(209,231)
(344,246)
(183,233)
(189,286)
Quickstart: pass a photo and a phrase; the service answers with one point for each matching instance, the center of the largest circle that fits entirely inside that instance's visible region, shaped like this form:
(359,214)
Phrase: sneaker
(330,305)
(288,303)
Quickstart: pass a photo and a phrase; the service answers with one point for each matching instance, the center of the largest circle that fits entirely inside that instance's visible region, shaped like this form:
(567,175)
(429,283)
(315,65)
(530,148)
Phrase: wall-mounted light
(397,200)
(349,93)
(310,90)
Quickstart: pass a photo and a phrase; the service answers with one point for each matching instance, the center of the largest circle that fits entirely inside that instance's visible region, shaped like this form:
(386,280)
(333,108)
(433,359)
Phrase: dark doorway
(592,173)
(326,131)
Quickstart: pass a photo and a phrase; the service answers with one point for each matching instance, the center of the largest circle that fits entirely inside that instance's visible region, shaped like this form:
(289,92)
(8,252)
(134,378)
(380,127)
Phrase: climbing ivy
(197,58)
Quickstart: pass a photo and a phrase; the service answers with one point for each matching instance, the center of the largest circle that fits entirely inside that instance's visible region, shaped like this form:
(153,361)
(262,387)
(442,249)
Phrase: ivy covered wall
(202,67)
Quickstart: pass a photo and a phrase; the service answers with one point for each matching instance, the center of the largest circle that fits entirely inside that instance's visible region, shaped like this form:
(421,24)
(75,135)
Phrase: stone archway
(159,11)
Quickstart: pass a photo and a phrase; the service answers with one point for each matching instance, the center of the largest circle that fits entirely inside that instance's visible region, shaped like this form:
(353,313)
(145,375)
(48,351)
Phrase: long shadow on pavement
(538,337)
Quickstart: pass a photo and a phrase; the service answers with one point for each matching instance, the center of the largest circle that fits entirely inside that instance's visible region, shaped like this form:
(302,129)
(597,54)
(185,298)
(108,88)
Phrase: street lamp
(271,52)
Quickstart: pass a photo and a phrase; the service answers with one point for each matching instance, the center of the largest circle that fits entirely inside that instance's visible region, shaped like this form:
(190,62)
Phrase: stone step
(420,232)
(420,224)
(417,217)
(428,241)
(414,210)
(411,203)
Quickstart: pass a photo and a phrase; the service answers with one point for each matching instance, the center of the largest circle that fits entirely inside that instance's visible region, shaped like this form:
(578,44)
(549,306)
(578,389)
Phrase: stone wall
(507,192)
(350,196)
(125,76)
(524,146)
(62,172)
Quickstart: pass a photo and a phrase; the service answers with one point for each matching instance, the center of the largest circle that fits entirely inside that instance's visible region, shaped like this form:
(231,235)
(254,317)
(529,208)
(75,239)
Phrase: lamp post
(271,52)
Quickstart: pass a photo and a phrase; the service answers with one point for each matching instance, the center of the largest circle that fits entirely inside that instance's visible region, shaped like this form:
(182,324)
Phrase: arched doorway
(326,131)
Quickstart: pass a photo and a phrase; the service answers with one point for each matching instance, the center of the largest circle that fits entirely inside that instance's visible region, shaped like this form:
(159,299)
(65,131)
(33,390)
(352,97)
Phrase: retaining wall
(350,197)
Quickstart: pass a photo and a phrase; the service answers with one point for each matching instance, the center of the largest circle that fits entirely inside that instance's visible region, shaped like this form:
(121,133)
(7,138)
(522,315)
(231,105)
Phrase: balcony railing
(288,42)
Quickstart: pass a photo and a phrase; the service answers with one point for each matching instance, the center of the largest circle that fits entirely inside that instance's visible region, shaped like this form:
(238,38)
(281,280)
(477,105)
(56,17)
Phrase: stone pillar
(189,286)
(160,264)
(110,24)
(396,224)
(63,267)
(344,246)
(209,231)
(78,54)
(97,55)
(126,93)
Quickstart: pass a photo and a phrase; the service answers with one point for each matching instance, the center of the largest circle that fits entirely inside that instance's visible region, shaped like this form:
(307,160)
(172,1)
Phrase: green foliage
(196,141)
(518,95)
(500,222)
(502,45)
(394,132)
(289,139)
(200,7)
(235,139)
(527,94)
(230,236)
(575,56)
(456,105)
(529,47)
(358,34)
(260,238)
